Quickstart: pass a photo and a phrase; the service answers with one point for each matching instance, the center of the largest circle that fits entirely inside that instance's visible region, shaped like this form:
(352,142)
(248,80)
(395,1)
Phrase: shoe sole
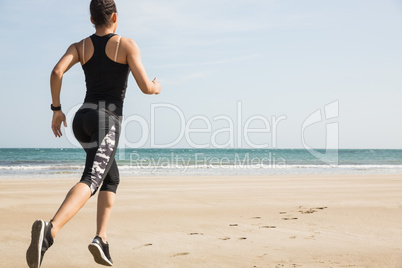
(98,254)
(34,250)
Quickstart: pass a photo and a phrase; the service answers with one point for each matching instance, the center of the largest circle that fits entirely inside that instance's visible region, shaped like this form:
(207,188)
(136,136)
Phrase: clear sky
(260,59)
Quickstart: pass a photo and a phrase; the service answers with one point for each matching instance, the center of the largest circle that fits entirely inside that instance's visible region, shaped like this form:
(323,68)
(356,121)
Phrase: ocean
(40,162)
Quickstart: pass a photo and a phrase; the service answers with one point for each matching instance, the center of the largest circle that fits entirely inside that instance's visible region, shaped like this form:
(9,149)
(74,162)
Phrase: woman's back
(85,49)
(106,78)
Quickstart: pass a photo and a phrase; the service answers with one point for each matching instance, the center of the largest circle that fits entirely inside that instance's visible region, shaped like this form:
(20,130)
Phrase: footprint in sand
(288,219)
(195,234)
(256,217)
(224,238)
(320,208)
(180,254)
(282,212)
(242,238)
(233,224)
(292,237)
(266,226)
(311,210)
(145,245)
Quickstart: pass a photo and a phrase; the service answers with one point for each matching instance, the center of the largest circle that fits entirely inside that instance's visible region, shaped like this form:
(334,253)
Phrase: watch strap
(55,108)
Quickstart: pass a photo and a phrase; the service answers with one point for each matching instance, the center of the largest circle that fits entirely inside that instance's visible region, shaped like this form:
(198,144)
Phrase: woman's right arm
(70,58)
(140,75)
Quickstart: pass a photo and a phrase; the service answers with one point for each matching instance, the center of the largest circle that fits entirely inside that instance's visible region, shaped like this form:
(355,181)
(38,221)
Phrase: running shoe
(41,240)
(100,251)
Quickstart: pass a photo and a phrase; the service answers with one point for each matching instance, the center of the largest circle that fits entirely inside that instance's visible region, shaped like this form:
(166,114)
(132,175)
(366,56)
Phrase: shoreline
(219,221)
(204,162)
(207,173)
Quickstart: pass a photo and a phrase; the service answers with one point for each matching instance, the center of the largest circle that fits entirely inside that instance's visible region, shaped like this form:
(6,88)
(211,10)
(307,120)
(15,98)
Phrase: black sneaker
(41,240)
(100,251)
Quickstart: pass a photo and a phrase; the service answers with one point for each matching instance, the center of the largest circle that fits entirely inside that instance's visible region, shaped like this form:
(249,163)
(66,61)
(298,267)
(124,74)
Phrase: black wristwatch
(58,108)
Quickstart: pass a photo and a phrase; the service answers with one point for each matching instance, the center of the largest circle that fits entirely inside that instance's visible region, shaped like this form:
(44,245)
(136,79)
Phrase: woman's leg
(105,204)
(74,201)
(106,199)
(99,247)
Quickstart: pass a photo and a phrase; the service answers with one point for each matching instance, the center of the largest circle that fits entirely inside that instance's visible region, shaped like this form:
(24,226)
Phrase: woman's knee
(110,184)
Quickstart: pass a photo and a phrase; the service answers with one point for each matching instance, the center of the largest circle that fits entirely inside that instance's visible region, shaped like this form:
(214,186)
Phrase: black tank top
(106,80)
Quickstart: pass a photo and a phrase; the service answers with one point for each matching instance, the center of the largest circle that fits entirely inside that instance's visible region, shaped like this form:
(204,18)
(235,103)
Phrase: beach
(222,221)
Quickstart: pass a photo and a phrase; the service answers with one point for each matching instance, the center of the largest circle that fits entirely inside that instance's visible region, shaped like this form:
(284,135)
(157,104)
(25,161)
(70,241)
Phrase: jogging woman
(107,60)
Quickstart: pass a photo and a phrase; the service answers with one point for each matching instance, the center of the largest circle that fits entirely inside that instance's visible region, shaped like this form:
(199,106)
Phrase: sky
(249,74)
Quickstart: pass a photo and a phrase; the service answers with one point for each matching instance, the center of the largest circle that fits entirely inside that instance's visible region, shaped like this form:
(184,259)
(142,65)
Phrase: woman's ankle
(54,230)
(103,237)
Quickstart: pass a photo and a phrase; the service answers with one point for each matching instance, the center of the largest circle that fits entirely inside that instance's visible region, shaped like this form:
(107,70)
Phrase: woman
(106,59)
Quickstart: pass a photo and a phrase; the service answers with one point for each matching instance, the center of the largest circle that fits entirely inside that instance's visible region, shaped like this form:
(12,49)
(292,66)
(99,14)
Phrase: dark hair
(101,10)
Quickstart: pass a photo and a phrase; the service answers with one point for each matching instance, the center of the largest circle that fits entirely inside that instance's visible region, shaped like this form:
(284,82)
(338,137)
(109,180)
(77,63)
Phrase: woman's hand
(58,118)
(157,86)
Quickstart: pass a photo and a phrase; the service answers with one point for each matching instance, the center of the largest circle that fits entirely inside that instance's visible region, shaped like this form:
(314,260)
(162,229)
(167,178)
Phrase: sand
(265,221)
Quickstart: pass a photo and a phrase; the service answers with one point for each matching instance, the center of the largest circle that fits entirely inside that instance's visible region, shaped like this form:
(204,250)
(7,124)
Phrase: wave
(203,166)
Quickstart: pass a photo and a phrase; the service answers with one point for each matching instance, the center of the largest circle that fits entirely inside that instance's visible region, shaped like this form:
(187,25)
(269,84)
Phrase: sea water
(62,162)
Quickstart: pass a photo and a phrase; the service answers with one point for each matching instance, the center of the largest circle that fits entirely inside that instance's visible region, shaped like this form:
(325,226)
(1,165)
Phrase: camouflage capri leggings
(98,132)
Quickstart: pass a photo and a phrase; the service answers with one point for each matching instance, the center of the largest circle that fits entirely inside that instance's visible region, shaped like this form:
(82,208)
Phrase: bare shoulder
(81,42)
(77,45)
(129,44)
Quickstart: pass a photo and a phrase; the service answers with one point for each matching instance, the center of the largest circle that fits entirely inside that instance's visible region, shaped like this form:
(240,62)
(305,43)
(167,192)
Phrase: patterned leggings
(98,132)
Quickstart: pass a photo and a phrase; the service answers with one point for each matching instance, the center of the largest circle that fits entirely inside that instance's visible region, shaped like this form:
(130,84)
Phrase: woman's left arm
(68,60)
